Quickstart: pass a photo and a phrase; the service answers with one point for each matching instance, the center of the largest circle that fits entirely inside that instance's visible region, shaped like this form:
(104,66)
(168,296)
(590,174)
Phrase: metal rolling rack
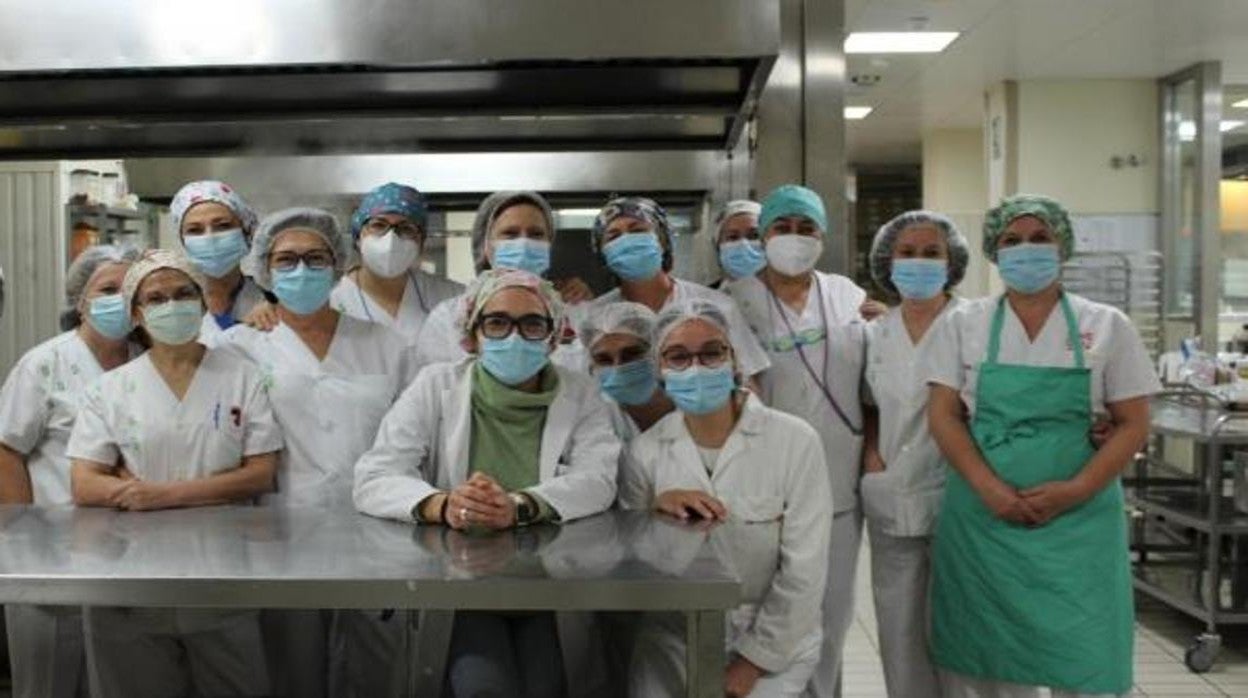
(1128,280)
(1190,544)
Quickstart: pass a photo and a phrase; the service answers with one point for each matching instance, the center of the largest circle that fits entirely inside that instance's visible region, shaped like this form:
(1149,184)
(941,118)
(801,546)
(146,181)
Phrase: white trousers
(961,686)
(900,570)
(658,663)
(162,652)
(46,651)
(838,602)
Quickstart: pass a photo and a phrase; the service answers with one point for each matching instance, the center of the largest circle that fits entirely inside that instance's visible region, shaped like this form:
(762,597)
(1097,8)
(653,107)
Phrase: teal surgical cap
(792,200)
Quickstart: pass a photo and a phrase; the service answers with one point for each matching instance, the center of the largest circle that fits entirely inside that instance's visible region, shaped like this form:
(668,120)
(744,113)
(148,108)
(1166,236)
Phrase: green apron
(1045,606)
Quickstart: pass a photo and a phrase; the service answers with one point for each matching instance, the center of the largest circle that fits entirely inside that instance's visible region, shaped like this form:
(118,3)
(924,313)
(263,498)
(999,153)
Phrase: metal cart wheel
(1202,653)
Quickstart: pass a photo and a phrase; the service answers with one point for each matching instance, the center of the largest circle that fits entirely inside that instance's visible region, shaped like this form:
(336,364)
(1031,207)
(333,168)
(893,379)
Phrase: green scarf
(507,424)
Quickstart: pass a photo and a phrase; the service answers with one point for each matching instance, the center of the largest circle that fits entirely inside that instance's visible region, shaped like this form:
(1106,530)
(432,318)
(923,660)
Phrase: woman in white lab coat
(180,426)
(811,324)
(500,439)
(726,457)
(618,338)
(1016,380)
(512,230)
(38,405)
(215,225)
(390,228)
(331,379)
(634,239)
(920,257)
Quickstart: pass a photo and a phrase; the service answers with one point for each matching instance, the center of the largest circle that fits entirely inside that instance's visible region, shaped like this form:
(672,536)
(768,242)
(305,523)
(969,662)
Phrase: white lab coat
(831,315)
(251,295)
(750,355)
(422,447)
(329,410)
(439,341)
(422,294)
(130,413)
(1121,368)
(771,469)
(901,503)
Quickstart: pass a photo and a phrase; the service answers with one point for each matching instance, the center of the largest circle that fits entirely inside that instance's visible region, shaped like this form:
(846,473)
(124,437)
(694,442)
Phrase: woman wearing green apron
(1031,582)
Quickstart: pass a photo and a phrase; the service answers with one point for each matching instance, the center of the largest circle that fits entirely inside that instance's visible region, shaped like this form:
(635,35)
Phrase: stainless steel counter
(272,558)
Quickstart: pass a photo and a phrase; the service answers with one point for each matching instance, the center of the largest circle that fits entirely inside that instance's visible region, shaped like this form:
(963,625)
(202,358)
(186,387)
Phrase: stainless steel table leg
(430,650)
(704,654)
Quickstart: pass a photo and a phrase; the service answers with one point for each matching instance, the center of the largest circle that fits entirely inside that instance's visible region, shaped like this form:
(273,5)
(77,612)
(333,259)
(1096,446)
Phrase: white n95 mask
(793,255)
(388,255)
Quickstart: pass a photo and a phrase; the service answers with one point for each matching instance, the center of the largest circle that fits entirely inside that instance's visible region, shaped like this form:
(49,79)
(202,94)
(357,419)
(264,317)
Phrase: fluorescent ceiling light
(1230,125)
(857,112)
(898,42)
(578,211)
(1242,104)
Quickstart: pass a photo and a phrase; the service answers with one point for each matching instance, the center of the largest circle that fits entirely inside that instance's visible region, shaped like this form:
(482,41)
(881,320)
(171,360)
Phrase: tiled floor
(1161,637)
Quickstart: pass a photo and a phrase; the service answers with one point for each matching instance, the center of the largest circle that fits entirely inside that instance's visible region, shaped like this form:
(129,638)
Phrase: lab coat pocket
(879,493)
(756,508)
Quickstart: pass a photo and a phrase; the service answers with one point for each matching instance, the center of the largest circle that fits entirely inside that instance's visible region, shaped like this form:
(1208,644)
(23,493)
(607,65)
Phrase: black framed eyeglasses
(315,259)
(501,325)
(710,355)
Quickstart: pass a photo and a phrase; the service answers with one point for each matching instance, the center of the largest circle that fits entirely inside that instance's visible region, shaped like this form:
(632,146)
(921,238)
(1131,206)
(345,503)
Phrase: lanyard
(420,297)
(823,382)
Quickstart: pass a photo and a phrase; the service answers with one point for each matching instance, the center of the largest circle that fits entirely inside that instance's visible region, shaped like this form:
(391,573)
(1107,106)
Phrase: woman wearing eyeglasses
(726,457)
(331,378)
(500,439)
(389,229)
(180,426)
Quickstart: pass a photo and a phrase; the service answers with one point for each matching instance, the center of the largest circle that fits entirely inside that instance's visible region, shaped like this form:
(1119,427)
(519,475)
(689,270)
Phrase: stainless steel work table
(262,557)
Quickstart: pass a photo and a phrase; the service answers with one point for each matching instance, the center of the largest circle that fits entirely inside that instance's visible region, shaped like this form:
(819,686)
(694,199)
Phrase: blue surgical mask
(107,314)
(524,254)
(303,290)
(920,279)
(742,258)
(174,322)
(216,254)
(634,256)
(1028,268)
(698,389)
(514,359)
(633,383)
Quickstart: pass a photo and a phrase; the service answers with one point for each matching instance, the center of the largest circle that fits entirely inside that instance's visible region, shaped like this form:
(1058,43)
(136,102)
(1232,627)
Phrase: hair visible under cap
(623,317)
(313,220)
(82,270)
(492,207)
(885,242)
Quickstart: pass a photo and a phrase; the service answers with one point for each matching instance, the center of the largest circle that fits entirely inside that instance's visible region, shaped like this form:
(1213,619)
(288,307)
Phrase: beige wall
(1067,132)
(955,183)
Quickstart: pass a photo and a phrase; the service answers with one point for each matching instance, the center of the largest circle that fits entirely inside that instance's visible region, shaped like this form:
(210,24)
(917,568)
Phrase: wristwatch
(526,508)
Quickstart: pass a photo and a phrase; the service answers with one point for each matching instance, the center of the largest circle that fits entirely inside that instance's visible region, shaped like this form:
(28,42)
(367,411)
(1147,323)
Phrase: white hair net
(676,315)
(733,208)
(81,271)
(492,207)
(313,220)
(886,240)
(152,261)
(624,317)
